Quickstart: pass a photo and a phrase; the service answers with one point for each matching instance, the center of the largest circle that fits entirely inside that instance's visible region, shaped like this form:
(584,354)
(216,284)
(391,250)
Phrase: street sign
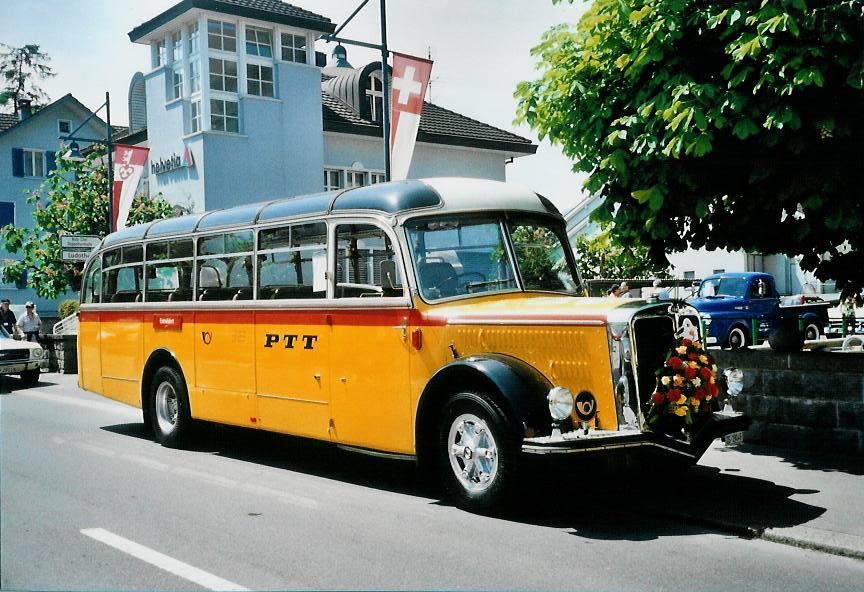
(79,241)
(77,247)
(74,256)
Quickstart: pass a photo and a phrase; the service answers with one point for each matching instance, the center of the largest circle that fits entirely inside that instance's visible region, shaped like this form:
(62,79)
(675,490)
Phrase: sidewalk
(786,496)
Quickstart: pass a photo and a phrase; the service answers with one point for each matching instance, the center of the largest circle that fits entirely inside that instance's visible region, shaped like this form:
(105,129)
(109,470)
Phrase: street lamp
(74,152)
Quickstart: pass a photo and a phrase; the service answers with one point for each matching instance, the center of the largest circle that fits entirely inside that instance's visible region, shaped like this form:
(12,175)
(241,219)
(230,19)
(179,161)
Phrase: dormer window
(375,96)
(259,42)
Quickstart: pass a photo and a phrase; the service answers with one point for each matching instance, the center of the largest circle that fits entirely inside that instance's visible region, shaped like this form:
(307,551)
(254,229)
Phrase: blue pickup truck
(729,303)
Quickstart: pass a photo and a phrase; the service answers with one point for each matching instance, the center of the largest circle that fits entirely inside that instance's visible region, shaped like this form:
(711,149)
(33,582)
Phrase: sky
(481,50)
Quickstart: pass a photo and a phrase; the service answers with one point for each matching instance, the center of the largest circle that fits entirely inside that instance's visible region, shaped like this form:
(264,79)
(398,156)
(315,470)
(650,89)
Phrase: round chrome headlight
(734,381)
(37,353)
(560,403)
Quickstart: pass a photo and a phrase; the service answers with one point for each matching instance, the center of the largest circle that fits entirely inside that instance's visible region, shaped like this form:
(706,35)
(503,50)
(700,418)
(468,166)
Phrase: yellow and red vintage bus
(438,319)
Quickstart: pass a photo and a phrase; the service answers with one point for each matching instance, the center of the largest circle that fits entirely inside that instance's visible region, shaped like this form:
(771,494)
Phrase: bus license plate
(733,439)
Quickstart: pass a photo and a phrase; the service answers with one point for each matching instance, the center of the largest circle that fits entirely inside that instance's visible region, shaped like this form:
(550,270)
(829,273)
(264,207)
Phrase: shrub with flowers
(685,385)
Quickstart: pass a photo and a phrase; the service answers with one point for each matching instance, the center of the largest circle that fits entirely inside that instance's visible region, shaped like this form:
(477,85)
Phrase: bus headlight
(560,403)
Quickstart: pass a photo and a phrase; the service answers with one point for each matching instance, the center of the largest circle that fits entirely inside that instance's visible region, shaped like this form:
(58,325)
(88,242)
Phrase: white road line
(169,564)
(69,400)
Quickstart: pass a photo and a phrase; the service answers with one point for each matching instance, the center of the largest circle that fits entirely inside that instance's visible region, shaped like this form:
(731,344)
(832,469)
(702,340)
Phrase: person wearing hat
(7,318)
(29,322)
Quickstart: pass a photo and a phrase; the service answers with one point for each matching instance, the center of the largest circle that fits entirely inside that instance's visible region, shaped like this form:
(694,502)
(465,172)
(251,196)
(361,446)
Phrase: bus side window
(366,265)
(123,284)
(225,266)
(93,283)
(292,262)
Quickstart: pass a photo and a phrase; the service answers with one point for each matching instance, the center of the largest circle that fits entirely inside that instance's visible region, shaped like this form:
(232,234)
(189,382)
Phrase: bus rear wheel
(478,455)
(169,407)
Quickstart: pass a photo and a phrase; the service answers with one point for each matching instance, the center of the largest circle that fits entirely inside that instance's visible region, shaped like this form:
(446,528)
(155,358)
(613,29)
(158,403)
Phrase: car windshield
(3,332)
(735,287)
(472,255)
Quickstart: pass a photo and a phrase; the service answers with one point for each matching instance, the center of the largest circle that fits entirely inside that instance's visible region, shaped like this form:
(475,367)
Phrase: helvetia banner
(129,164)
(409,81)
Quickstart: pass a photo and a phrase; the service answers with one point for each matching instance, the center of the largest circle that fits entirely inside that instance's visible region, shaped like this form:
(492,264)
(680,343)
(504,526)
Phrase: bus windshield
(469,255)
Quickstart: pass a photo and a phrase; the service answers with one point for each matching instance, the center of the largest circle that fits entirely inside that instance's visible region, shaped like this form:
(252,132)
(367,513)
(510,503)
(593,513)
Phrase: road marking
(169,564)
(68,400)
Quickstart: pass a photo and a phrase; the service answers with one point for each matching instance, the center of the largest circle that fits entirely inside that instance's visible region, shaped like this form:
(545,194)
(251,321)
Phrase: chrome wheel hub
(166,407)
(473,452)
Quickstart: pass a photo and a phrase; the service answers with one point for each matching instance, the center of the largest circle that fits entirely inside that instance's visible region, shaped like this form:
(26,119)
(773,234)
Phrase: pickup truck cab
(729,303)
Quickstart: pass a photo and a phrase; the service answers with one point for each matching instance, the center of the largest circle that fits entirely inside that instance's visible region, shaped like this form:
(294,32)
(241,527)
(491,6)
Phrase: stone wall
(61,353)
(807,400)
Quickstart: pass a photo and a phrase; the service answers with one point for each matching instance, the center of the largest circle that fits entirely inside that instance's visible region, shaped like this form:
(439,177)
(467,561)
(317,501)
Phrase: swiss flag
(409,81)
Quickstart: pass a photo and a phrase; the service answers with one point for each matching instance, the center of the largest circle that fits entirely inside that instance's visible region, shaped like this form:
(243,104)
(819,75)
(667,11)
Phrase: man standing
(7,317)
(29,322)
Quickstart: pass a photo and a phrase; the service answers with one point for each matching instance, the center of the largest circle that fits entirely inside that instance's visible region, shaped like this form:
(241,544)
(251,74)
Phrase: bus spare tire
(786,338)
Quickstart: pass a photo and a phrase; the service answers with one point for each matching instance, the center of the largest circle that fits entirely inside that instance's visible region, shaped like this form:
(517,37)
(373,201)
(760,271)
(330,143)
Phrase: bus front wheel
(477,453)
(169,407)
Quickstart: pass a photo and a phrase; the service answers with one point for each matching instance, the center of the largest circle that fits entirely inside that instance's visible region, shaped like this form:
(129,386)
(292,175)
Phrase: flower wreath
(685,384)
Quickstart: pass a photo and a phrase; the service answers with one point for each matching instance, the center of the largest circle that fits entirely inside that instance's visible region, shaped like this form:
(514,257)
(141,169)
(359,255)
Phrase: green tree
(19,66)
(72,200)
(716,124)
(599,257)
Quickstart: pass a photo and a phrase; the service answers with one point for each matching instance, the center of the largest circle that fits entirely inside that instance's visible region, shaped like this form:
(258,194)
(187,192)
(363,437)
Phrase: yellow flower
(694,401)
(703,359)
(694,364)
(681,400)
(680,411)
(697,345)
(711,380)
(678,380)
(665,380)
(681,350)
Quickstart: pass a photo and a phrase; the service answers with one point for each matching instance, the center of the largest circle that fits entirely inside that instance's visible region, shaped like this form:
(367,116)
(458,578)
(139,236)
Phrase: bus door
(225,330)
(120,329)
(369,342)
(89,358)
(292,338)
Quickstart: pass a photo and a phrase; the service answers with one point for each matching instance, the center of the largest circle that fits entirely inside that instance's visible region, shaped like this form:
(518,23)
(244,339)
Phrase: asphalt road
(89,501)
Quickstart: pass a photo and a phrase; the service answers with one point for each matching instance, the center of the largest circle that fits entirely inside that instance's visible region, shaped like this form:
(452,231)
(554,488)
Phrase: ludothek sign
(172,163)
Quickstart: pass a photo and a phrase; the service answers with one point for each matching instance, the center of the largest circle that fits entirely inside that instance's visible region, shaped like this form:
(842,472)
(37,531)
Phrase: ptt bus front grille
(654,337)
(14,355)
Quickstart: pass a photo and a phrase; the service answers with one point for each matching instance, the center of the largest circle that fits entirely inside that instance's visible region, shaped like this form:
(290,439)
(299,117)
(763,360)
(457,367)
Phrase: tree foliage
(19,66)
(716,124)
(599,257)
(72,200)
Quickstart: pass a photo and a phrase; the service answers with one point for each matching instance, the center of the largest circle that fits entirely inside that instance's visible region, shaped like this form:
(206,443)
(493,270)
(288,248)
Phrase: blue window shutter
(17,162)
(50,162)
(7,213)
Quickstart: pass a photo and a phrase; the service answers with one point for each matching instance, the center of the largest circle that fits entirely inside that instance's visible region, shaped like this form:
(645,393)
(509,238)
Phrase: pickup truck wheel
(477,453)
(737,338)
(812,331)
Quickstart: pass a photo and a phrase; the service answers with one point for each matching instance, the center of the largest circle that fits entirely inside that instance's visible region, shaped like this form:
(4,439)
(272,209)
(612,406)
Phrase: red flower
(674,395)
(690,372)
(686,341)
(675,362)
(713,390)
(657,398)
(699,394)
(705,372)
(692,356)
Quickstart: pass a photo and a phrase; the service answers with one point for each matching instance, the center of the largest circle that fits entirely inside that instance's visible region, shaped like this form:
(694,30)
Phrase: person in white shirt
(29,322)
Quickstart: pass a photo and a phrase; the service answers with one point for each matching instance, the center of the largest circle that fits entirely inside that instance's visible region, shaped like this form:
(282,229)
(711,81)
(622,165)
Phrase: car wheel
(169,407)
(737,338)
(30,377)
(812,331)
(478,453)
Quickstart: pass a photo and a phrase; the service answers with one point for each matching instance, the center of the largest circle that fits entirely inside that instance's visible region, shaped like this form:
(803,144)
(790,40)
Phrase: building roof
(346,110)
(271,11)
(9,121)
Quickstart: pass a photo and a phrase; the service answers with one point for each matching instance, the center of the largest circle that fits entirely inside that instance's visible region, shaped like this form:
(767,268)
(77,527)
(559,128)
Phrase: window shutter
(50,161)
(17,162)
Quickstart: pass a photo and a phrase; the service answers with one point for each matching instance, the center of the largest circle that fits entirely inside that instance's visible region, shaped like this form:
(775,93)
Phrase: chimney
(25,109)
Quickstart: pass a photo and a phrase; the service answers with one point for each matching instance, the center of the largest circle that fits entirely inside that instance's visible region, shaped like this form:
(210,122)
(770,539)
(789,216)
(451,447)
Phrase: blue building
(29,141)
(240,108)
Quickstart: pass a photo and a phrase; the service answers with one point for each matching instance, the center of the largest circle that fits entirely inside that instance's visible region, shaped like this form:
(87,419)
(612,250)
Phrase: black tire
(737,338)
(30,377)
(478,484)
(168,403)
(812,331)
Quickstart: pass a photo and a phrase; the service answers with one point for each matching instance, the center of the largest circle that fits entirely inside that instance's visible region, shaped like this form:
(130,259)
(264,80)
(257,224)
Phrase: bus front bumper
(625,441)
